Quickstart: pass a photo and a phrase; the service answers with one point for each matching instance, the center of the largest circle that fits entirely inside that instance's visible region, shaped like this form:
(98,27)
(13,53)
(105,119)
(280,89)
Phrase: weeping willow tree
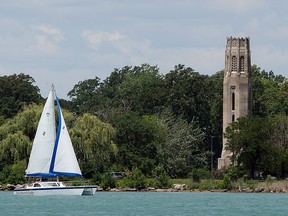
(93,143)
(16,135)
(15,143)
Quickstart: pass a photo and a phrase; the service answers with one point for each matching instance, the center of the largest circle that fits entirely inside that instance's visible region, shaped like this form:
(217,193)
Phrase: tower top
(238,41)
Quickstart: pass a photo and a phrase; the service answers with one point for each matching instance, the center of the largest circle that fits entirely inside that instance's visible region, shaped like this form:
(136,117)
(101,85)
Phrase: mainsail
(40,157)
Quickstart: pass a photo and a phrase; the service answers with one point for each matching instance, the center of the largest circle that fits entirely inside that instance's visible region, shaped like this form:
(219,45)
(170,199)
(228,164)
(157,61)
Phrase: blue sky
(67,41)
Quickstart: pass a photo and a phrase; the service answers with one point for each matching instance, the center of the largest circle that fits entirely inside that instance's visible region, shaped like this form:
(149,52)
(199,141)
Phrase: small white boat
(52,155)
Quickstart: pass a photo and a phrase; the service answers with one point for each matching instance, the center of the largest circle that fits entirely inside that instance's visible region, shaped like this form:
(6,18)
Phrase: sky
(67,41)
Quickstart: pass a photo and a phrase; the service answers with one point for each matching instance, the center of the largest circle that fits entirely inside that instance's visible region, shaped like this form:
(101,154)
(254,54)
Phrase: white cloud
(44,45)
(47,40)
(95,38)
(55,34)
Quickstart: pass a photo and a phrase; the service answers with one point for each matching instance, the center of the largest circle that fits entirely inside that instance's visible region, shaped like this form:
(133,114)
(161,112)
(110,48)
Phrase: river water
(147,203)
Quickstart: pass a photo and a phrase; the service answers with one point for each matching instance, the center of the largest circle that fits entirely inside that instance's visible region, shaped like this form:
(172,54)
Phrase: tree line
(141,118)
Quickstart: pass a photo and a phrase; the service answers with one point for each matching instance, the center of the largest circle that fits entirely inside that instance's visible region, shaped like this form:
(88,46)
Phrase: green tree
(14,174)
(215,100)
(15,92)
(84,95)
(248,140)
(183,149)
(14,148)
(137,138)
(269,94)
(16,135)
(214,128)
(139,89)
(187,94)
(279,141)
(93,143)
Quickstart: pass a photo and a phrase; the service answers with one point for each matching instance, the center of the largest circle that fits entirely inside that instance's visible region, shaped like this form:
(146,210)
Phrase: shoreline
(272,187)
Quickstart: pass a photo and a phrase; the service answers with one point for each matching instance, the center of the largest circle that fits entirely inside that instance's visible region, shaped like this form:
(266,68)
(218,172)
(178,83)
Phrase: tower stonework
(237,88)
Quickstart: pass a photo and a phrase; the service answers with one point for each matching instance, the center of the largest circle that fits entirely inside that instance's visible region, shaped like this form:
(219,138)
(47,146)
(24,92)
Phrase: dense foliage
(16,91)
(157,125)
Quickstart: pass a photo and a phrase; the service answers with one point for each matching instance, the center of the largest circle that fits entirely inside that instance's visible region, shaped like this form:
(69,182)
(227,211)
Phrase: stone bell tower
(236,88)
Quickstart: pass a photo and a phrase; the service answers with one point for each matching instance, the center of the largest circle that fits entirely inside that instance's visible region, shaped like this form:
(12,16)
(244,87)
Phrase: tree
(93,143)
(139,89)
(248,140)
(83,95)
(187,94)
(279,141)
(16,91)
(269,94)
(16,135)
(214,128)
(183,148)
(215,100)
(137,138)
(14,148)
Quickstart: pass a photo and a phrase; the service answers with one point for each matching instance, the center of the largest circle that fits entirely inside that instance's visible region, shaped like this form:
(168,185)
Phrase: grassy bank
(237,186)
(240,185)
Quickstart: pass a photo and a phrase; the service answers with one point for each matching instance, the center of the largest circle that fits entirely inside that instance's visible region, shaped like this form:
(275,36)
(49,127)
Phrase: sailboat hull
(58,191)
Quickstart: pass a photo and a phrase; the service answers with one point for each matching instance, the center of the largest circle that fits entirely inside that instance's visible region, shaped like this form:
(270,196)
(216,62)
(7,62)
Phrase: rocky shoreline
(175,188)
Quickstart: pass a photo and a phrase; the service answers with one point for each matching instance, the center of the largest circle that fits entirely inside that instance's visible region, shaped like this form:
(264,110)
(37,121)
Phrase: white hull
(58,191)
(64,191)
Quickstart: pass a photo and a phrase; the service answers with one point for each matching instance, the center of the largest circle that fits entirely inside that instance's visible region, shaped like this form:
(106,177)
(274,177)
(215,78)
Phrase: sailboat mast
(53,89)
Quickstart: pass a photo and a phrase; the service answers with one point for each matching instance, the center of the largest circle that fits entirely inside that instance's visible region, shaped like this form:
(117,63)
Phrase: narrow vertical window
(234,63)
(233,118)
(233,101)
(242,60)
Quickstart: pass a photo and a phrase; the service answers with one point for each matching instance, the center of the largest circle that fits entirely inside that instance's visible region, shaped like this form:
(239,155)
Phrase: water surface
(147,203)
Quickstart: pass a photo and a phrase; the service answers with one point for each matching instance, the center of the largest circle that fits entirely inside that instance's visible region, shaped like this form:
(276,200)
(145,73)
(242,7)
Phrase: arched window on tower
(233,101)
(234,63)
(242,63)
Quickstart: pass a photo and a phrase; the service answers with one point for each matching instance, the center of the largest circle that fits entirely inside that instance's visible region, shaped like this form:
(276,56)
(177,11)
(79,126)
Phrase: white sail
(40,157)
(64,160)
(53,155)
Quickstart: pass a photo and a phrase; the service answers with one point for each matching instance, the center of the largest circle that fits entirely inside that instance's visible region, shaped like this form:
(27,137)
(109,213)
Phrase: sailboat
(52,155)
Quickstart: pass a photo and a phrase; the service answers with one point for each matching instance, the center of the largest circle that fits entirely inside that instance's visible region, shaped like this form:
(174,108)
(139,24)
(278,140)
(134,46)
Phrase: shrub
(162,181)
(198,174)
(160,178)
(136,179)
(232,173)
(227,183)
(96,178)
(107,181)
